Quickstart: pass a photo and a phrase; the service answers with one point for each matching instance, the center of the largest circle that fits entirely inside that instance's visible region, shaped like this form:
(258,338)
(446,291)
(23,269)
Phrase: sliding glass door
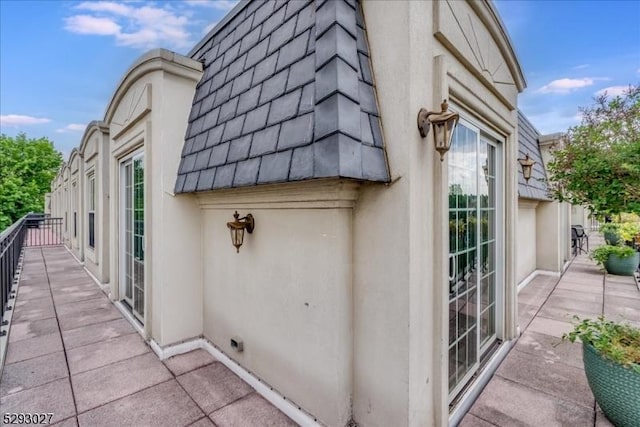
(132,235)
(473,247)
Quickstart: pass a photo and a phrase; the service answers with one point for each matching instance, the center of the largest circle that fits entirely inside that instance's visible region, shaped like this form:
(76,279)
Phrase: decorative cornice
(154,60)
(329,193)
(94,126)
(527,203)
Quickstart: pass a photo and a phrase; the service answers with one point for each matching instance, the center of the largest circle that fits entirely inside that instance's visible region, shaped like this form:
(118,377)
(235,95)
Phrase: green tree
(599,165)
(27,167)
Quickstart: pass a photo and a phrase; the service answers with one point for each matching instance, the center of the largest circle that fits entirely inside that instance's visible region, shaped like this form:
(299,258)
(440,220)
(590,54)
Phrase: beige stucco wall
(65,203)
(76,204)
(160,87)
(339,294)
(47,203)
(526,239)
(554,245)
(580,216)
(287,294)
(95,152)
(420,57)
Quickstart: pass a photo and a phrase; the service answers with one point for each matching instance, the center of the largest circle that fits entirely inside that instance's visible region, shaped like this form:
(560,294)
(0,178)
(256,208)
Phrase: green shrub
(629,230)
(610,227)
(619,342)
(601,254)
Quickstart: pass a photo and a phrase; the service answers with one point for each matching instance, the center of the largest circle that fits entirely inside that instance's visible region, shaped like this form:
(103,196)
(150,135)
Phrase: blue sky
(60,61)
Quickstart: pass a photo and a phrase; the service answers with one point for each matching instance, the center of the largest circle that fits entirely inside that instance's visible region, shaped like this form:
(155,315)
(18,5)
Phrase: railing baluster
(30,230)
(43,231)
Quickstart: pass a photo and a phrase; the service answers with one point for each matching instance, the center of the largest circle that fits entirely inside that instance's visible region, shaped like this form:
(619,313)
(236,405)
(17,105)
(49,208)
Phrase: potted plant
(620,260)
(611,355)
(610,232)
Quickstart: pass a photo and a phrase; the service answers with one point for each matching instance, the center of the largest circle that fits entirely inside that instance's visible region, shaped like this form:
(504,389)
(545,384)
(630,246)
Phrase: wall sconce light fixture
(527,166)
(443,122)
(237,227)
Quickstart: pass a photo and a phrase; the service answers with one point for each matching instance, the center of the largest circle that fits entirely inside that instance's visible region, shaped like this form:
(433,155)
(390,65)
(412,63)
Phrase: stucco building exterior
(379,284)
(544,224)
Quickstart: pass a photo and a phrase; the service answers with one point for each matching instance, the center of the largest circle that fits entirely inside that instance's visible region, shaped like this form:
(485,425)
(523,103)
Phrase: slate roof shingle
(528,136)
(286,94)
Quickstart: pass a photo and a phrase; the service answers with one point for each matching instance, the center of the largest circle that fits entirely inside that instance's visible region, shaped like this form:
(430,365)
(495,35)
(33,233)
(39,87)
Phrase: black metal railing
(43,230)
(31,230)
(11,242)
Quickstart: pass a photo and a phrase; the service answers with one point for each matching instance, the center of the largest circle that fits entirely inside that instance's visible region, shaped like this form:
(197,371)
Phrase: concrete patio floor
(73,354)
(542,382)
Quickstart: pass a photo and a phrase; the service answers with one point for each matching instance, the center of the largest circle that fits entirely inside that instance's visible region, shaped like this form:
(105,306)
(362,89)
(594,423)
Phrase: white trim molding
(321,193)
(104,287)
(74,256)
(535,274)
(127,314)
(289,408)
(473,392)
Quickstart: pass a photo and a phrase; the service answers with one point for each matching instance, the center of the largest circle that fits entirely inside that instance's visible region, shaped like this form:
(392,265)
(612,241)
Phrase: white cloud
(555,119)
(105,6)
(215,4)
(581,67)
(85,24)
(567,85)
(20,120)
(613,91)
(73,127)
(138,25)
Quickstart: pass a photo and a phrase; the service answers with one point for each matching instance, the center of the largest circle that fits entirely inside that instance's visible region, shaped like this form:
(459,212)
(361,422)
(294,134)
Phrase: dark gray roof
(287,94)
(528,136)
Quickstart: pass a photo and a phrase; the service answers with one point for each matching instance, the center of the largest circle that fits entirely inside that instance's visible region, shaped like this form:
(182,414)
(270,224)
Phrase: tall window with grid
(91,204)
(473,240)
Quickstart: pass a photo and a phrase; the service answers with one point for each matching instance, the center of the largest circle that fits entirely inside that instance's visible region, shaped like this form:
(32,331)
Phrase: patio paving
(542,382)
(71,353)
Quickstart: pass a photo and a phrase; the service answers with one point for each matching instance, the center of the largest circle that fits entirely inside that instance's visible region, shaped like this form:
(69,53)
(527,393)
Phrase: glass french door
(132,247)
(474,212)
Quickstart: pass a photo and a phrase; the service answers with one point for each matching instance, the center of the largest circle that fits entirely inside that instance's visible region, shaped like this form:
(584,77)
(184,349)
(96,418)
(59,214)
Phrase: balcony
(72,354)
(542,381)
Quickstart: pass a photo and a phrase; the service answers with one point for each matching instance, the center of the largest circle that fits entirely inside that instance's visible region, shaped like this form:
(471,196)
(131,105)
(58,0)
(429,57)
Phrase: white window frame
(91,208)
(484,135)
(130,158)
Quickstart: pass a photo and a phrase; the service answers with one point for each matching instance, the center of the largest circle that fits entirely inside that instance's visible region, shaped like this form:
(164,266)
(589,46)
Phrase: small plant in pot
(611,355)
(610,232)
(620,260)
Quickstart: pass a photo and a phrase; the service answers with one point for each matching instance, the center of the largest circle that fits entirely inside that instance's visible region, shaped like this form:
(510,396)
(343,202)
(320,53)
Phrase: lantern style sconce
(237,227)
(443,122)
(527,166)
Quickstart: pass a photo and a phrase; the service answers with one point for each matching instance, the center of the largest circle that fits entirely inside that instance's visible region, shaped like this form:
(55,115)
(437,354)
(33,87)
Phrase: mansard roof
(287,94)
(528,137)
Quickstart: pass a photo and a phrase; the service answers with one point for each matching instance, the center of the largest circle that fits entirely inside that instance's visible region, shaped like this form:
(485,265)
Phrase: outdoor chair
(578,240)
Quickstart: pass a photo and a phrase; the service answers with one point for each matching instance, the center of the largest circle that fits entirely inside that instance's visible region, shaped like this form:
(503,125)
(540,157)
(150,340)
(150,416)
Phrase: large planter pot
(622,266)
(611,237)
(616,388)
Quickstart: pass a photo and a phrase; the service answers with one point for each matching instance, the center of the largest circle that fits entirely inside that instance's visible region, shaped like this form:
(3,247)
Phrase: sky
(61,61)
